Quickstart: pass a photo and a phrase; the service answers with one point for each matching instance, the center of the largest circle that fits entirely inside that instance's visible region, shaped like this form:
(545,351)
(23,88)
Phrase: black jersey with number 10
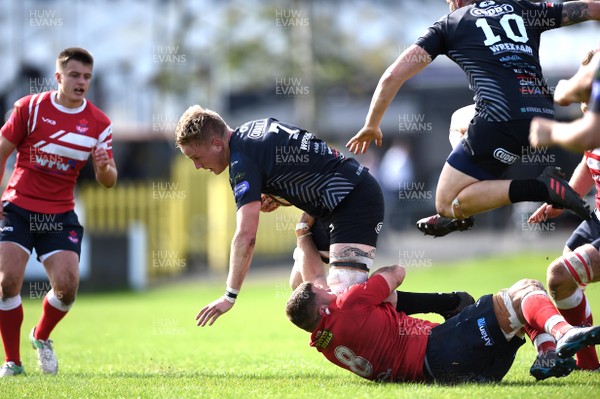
(496,43)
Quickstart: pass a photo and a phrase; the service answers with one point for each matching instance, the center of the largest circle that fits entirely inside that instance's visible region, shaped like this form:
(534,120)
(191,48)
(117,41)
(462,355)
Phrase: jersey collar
(65,109)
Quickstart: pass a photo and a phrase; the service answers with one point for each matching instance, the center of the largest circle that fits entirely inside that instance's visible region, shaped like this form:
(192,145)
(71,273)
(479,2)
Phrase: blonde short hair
(199,125)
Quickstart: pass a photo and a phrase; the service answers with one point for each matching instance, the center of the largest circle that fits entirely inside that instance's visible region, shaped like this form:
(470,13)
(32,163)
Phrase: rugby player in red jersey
(361,331)
(54,133)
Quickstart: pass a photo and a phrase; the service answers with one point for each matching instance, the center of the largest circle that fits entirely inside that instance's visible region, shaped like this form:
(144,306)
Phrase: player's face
(73,83)
(209,156)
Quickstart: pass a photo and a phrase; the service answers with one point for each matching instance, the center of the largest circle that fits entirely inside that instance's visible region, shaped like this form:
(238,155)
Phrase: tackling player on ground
(477,345)
(54,134)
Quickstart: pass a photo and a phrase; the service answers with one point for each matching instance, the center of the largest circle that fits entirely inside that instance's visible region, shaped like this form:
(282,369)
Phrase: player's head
(305,305)
(200,125)
(75,54)
(74,67)
(202,136)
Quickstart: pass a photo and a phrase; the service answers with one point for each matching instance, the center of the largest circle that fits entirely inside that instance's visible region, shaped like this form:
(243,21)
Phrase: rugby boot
(561,194)
(439,226)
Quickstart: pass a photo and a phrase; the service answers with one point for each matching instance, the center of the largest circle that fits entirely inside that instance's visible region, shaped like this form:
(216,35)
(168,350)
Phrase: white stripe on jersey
(592,159)
(61,150)
(37,107)
(105,138)
(78,139)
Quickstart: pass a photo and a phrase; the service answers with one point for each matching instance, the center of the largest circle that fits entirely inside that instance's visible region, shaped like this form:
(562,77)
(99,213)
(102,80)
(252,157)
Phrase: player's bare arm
(242,249)
(578,87)
(409,63)
(576,136)
(105,168)
(393,275)
(6,148)
(580,11)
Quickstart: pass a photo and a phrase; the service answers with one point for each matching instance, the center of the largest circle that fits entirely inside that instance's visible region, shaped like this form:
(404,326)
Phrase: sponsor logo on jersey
(324,339)
(483,330)
(82,126)
(258,129)
(239,176)
(491,9)
(48,120)
(505,156)
(378,227)
(240,189)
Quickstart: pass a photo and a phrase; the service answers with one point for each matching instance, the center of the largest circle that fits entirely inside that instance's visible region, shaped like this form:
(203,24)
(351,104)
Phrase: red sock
(541,314)
(10,329)
(50,318)
(542,341)
(587,358)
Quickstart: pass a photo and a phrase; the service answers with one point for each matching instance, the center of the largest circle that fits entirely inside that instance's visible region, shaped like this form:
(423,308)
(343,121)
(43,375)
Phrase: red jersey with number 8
(53,144)
(368,337)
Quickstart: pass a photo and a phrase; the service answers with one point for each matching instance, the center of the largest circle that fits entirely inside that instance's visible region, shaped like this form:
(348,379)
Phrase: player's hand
(267,204)
(213,311)
(361,141)
(543,213)
(101,158)
(540,132)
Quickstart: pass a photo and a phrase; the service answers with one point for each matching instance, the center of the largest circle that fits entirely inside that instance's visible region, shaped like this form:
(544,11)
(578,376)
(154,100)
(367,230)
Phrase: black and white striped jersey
(496,43)
(272,157)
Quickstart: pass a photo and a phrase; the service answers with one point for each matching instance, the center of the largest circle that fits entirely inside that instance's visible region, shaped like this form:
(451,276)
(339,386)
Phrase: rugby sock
(527,190)
(53,310)
(413,302)
(576,311)
(11,318)
(543,342)
(541,314)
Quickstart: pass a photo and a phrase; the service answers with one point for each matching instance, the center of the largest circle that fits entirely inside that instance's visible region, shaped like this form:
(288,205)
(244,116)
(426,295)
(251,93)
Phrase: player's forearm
(242,249)
(107,177)
(582,180)
(408,64)
(577,136)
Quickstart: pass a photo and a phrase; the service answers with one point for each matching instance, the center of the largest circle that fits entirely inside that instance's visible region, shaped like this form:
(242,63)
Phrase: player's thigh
(13,260)
(451,182)
(357,221)
(63,269)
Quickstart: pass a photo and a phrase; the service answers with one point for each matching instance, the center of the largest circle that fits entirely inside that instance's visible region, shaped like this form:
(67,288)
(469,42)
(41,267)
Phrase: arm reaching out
(408,64)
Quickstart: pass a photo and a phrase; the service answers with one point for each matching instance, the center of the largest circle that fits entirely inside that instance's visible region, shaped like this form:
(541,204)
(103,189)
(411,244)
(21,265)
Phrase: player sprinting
(361,331)
(54,134)
(496,44)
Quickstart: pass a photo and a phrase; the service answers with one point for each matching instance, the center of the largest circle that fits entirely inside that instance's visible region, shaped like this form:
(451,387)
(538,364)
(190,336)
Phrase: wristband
(231,294)
(302,226)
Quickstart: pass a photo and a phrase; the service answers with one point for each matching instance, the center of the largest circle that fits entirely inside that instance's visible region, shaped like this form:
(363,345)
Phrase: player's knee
(557,276)
(9,286)
(525,286)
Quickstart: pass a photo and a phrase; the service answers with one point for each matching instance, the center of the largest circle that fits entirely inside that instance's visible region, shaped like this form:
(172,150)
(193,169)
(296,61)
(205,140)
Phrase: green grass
(147,345)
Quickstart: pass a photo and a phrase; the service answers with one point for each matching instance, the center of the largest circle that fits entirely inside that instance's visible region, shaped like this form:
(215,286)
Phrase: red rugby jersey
(370,338)
(53,144)
(592,158)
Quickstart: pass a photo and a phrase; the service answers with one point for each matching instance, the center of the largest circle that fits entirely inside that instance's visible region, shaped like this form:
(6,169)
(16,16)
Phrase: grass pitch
(147,345)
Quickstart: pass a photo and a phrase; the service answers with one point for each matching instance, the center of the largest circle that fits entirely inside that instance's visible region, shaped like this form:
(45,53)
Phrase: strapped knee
(457,212)
(579,265)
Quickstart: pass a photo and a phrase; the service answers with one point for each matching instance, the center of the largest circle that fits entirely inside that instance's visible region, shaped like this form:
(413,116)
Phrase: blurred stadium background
(311,63)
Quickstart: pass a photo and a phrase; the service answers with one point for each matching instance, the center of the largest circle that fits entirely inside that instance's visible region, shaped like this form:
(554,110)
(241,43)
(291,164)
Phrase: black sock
(527,190)
(413,302)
